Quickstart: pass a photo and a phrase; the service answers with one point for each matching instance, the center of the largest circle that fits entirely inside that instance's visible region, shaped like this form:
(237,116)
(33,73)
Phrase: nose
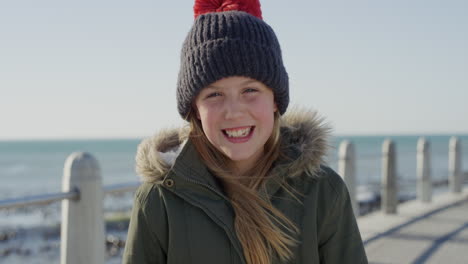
(234,109)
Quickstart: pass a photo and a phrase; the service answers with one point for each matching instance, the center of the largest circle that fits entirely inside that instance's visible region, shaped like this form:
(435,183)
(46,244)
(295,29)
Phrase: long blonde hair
(261,228)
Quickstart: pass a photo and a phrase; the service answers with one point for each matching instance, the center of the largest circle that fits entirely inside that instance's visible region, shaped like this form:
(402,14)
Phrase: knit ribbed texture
(231,43)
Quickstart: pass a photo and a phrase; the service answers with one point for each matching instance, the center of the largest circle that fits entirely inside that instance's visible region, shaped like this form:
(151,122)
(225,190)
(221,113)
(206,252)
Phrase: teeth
(238,133)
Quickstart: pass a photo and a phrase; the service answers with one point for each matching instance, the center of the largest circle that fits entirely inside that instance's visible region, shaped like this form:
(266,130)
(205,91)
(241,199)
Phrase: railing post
(389,178)
(347,170)
(424,186)
(82,227)
(455,179)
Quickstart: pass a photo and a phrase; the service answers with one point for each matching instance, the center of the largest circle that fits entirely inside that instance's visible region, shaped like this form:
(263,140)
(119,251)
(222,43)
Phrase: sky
(108,69)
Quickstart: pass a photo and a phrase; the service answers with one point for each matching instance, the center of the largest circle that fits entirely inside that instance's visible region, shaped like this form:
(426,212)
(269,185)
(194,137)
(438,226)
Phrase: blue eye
(213,95)
(250,90)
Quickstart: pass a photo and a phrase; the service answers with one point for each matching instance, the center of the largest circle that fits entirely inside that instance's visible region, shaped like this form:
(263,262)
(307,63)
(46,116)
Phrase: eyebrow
(242,84)
(248,82)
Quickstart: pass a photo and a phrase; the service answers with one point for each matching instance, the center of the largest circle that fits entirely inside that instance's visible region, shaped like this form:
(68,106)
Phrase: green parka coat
(182,216)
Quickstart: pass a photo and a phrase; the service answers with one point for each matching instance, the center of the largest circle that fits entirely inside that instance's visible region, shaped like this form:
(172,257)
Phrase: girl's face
(237,116)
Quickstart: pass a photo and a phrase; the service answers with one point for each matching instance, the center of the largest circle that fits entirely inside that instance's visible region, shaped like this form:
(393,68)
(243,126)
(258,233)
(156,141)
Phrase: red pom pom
(207,6)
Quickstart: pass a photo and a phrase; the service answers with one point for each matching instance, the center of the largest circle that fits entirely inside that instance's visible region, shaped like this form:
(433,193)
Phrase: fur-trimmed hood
(303,142)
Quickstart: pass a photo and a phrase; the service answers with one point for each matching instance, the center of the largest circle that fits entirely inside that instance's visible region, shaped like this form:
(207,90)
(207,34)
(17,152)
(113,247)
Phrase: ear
(275,108)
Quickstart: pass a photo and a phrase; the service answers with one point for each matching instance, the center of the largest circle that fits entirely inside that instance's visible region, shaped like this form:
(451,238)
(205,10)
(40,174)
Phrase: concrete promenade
(419,233)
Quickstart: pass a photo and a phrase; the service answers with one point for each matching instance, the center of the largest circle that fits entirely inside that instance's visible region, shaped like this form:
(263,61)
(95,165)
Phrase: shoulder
(325,182)
(324,194)
(150,209)
(149,199)
(332,181)
(146,192)
(327,201)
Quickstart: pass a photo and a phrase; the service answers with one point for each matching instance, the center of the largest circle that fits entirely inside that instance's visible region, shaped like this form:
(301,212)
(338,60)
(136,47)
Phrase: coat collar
(304,146)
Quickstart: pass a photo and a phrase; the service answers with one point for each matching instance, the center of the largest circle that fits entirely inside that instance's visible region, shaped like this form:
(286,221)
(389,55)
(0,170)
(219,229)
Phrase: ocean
(36,167)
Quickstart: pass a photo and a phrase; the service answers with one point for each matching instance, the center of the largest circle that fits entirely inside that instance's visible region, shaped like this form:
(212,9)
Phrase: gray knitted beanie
(230,43)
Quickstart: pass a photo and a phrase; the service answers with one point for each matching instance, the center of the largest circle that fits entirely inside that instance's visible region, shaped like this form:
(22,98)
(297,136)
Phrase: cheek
(266,114)
(208,121)
(265,108)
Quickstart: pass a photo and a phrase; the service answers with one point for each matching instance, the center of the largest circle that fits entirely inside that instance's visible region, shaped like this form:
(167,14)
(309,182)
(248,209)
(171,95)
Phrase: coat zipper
(228,232)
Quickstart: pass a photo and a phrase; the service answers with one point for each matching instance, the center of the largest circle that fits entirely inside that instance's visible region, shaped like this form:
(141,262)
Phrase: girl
(241,184)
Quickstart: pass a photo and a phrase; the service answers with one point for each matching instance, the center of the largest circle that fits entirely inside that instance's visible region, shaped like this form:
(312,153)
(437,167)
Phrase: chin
(238,155)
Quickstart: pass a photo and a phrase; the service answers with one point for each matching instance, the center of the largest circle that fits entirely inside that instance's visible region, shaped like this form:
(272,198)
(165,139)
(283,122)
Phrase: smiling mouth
(238,132)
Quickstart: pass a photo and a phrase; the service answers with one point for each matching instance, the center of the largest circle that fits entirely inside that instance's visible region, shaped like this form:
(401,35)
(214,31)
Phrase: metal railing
(42,199)
(48,198)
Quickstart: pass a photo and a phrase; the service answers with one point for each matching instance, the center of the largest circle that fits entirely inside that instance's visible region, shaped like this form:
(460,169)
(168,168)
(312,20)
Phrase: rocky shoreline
(42,244)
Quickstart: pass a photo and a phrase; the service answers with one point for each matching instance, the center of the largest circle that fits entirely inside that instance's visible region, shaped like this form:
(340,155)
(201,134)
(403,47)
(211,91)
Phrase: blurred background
(99,76)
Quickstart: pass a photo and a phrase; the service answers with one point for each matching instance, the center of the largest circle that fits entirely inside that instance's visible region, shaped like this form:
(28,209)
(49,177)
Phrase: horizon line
(367,134)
